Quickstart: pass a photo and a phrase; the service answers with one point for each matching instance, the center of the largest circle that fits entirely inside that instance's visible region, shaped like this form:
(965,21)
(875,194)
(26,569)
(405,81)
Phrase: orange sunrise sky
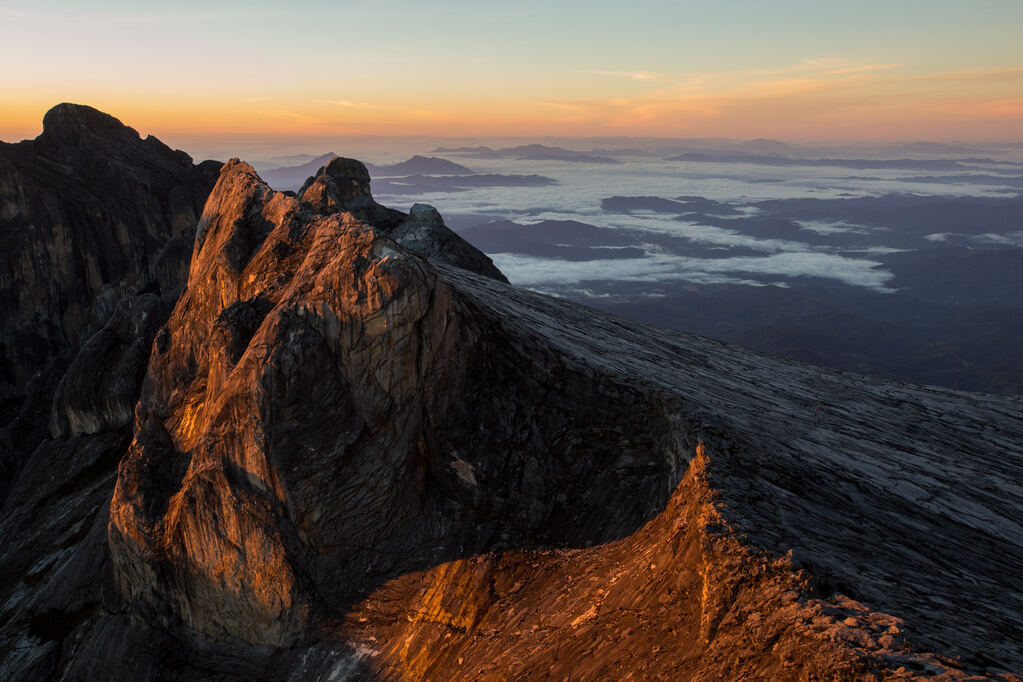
(797,70)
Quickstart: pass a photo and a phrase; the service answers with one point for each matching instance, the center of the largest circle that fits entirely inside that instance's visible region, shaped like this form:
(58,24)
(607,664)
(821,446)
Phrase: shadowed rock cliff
(96,226)
(90,215)
(359,454)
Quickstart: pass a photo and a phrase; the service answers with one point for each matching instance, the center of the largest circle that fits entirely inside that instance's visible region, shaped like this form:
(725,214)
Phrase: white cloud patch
(875,250)
(345,103)
(1007,239)
(635,75)
(532,271)
(836,227)
(991,238)
(717,236)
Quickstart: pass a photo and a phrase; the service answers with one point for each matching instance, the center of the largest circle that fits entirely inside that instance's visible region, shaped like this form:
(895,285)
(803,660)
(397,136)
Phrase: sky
(788,69)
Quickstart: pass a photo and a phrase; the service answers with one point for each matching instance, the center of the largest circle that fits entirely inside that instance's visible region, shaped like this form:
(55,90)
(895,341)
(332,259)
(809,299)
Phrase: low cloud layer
(537,272)
(730,249)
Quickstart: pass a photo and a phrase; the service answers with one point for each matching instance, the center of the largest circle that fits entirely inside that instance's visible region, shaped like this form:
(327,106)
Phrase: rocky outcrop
(317,377)
(357,453)
(90,215)
(343,185)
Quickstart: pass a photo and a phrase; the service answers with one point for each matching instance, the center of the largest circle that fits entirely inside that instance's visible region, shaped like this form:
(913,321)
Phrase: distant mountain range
(412,184)
(528,152)
(292,177)
(860,164)
(419,165)
(419,174)
(933,148)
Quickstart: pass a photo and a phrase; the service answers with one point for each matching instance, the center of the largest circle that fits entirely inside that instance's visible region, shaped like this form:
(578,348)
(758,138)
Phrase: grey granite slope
(904,497)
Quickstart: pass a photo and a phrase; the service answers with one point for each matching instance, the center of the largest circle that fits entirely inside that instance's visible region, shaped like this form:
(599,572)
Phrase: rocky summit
(357,453)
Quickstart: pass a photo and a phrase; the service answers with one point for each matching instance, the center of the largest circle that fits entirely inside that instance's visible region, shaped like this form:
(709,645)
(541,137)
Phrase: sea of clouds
(581,187)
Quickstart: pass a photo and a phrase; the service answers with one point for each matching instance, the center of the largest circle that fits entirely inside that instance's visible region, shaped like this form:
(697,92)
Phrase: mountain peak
(340,187)
(81,136)
(343,186)
(341,183)
(66,122)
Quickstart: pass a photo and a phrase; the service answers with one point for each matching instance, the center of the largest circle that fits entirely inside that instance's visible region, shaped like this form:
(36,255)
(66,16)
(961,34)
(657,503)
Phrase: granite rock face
(90,215)
(358,453)
(313,385)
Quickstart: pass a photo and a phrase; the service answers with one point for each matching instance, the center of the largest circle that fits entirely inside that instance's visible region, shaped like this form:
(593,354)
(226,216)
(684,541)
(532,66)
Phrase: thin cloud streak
(635,75)
(345,103)
(806,99)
